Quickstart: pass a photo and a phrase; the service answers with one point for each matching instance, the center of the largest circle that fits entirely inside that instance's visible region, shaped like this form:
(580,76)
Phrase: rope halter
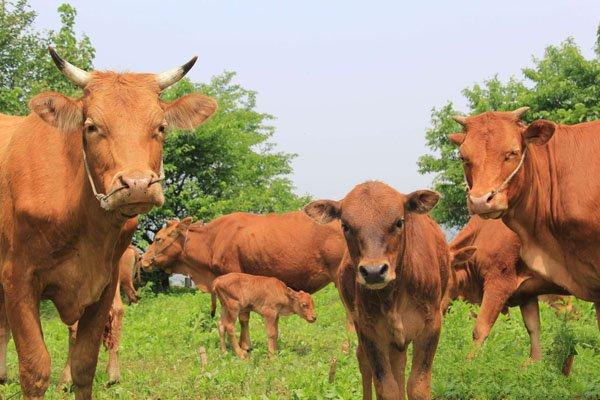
(505,183)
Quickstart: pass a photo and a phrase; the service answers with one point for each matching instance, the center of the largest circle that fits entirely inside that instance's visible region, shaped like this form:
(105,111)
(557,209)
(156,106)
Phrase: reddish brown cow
(269,297)
(72,173)
(392,278)
(112,331)
(496,277)
(541,180)
(290,247)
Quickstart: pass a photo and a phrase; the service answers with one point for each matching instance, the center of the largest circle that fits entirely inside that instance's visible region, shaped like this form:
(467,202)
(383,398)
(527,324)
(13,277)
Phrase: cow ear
(422,201)
(457,138)
(539,132)
(171,222)
(463,255)
(189,111)
(323,211)
(58,110)
(185,223)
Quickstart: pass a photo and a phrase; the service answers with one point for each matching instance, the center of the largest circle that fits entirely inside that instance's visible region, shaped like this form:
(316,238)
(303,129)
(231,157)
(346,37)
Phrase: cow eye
(510,155)
(464,160)
(162,129)
(345,227)
(400,223)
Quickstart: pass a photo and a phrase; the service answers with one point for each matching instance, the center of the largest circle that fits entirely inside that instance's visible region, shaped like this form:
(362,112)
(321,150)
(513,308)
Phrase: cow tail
(213,304)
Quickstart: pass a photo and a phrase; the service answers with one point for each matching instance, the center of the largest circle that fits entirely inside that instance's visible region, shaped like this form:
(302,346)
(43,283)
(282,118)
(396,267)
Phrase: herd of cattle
(75,173)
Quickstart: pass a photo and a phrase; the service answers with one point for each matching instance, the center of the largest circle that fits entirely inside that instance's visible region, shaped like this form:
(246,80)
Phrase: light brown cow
(542,180)
(290,247)
(392,278)
(72,173)
(112,331)
(496,278)
(269,297)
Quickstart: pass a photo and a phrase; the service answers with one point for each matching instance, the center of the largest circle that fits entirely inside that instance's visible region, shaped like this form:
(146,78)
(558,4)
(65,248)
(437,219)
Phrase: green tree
(562,86)
(25,66)
(226,165)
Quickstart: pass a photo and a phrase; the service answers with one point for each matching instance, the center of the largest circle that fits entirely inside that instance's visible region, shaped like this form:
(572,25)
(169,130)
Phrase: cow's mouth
(375,286)
(492,214)
(133,209)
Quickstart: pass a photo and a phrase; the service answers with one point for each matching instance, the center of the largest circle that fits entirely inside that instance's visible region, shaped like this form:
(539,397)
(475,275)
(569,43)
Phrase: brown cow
(290,247)
(269,297)
(495,278)
(72,173)
(112,331)
(392,278)
(541,180)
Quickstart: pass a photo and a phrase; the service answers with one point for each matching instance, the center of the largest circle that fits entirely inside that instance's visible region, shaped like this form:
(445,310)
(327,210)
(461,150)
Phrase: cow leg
(272,322)
(386,386)
(114,339)
(23,312)
(228,319)
(245,329)
(597,307)
(365,372)
(494,299)
(424,347)
(531,317)
(4,338)
(398,362)
(65,379)
(87,344)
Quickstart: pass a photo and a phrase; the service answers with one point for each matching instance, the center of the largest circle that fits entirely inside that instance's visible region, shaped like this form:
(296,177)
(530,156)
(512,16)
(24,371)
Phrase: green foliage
(562,86)
(162,335)
(25,66)
(225,165)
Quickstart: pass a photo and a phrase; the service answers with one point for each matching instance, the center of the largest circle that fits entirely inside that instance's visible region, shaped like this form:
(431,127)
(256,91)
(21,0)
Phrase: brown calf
(392,278)
(241,293)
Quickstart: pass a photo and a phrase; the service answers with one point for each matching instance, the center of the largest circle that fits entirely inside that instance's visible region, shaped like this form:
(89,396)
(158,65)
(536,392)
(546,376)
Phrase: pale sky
(352,84)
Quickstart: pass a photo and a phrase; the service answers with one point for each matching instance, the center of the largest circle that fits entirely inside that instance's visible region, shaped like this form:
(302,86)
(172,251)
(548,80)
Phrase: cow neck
(196,250)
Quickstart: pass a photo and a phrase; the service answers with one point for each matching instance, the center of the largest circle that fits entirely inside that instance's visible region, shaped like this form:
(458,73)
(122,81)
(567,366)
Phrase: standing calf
(392,278)
(241,293)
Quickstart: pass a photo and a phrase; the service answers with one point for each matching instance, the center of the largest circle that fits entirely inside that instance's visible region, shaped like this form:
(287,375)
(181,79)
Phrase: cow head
(123,123)
(492,150)
(167,246)
(302,304)
(373,216)
(458,262)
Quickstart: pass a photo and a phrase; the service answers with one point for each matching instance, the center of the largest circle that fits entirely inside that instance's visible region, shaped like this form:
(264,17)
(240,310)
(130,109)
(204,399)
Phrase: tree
(226,165)
(25,66)
(563,86)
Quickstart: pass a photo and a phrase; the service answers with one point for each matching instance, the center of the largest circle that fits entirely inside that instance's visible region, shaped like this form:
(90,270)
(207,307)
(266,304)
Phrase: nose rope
(103,198)
(504,184)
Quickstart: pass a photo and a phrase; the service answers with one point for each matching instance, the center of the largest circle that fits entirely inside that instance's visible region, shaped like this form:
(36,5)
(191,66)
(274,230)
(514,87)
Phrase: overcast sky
(352,84)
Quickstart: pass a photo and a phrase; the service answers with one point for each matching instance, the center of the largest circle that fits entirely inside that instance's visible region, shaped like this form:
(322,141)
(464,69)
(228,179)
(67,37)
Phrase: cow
(541,180)
(267,296)
(392,278)
(495,277)
(74,173)
(111,338)
(290,247)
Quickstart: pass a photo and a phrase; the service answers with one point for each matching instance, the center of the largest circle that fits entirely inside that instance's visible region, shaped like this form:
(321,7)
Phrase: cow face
(167,245)
(491,149)
(123,123)
(303,305)
(373,216)
(458,264)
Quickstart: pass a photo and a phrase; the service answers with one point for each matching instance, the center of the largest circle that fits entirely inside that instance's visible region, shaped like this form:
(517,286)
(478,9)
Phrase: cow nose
(482,203)
(134,182)
(373,273)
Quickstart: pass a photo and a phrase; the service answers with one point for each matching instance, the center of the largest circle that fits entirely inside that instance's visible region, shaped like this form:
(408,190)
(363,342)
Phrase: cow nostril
(384,268)
(363,270)
(490,197)
(123,182)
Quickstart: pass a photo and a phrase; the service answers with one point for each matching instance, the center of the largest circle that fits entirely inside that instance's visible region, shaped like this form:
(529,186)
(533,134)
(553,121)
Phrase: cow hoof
(112,381)
(3,380)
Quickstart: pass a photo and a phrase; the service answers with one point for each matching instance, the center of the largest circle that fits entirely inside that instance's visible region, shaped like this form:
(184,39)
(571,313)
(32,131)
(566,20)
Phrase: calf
(392,278)
(241,293)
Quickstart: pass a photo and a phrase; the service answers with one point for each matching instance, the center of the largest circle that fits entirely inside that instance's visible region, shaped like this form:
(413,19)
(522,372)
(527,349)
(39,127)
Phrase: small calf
(241,293)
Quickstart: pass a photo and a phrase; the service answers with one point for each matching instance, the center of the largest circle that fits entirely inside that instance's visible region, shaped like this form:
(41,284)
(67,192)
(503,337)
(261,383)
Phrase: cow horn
(167,78)
(461,119)
(76,75)
(518,113)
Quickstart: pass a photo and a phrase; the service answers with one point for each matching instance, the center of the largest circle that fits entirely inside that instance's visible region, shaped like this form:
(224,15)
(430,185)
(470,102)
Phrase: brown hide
(387,230)
(57,240)
(551,202)
(241,293)
(290,247)
(496,277)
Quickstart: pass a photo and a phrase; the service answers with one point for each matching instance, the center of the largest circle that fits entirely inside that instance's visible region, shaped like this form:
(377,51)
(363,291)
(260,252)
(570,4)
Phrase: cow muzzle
(490,205)
(133,193)
(374,275)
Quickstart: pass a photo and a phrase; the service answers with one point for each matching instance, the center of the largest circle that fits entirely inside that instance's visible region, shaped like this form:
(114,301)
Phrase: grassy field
(162,335)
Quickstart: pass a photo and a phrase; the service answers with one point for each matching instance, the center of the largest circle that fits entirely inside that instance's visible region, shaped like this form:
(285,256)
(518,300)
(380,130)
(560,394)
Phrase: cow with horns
(74,174)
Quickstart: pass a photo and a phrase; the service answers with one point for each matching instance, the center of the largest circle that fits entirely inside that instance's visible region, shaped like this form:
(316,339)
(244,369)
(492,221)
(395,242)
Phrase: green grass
(162,334)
